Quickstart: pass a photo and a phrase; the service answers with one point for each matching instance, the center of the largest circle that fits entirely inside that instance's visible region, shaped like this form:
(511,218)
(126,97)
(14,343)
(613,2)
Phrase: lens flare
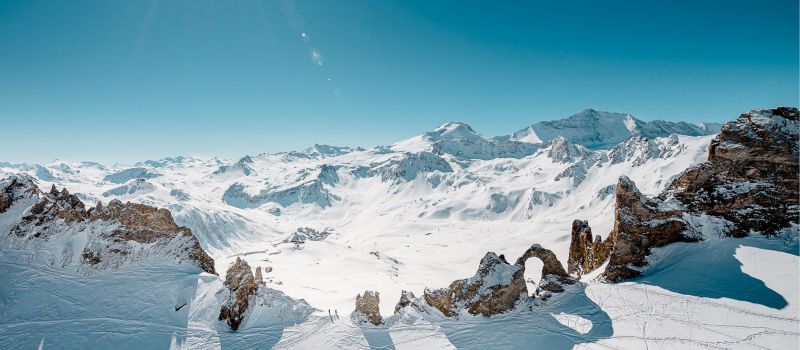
(317,57)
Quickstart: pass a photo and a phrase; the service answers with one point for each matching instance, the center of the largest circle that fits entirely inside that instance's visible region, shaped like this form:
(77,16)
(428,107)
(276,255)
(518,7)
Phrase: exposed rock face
(368,307)
(51,206)
(498,285)
(303,234)
(258,277)
(406,299)
(562,151)
(640,225)
(120,229)
(586,253)
(553,275)
(494,289)
(14,189)
(146,224)
(750,181)
(242,285)
(751,176)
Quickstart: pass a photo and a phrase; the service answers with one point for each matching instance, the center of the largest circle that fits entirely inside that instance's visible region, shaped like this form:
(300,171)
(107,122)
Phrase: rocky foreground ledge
(117,233)
(748,186)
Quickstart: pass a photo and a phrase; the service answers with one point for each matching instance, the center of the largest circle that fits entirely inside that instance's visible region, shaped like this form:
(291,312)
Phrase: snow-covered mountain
(597,130)
(323,225)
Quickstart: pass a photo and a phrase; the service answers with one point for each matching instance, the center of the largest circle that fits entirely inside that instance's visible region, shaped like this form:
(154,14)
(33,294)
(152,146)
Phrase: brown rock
(498,285)
(137,222)
(441,299)
(55,205)
(90,257)
(145,224)
(259,279)
(750,180)
(241,284)
(553,275)
(368,306)
(494,289)
(585,253)
(750,177)
(5,202)
(639,226)
(15,188)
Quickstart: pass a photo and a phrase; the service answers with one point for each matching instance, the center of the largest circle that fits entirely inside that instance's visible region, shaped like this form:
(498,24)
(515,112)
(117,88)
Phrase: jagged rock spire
(368,307)
(241,286)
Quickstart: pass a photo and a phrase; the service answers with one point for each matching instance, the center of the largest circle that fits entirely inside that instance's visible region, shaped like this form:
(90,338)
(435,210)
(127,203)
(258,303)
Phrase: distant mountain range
(596,130)
(124,256)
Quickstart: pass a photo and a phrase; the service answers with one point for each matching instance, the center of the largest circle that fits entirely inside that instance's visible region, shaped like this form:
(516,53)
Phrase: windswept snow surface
(418,214)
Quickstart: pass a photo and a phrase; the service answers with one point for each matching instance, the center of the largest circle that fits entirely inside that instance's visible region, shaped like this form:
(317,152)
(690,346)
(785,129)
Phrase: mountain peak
(454,130)
(601,130)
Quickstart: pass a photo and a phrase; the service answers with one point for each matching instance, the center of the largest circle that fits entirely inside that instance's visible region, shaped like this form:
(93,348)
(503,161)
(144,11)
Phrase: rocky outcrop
(241,287)
(51,206)
(121,230)
(586,253)
(562,151)
(553,275)
(494,289)
(406,299)
(751,176)
(145,224)
(749,181)
(640,225)
(258,277)
(303,234)
(15,188)
(408,166)
(304,192)
(498,285)
(368,308)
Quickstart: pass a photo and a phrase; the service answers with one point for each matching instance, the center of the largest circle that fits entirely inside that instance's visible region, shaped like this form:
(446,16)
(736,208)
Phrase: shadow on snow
(711,270)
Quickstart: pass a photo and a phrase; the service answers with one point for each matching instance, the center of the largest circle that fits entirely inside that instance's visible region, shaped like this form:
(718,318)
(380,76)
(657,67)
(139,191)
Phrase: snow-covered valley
(327,223)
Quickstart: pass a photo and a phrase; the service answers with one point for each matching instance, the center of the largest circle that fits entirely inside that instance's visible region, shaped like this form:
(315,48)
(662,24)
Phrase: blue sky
(132,80)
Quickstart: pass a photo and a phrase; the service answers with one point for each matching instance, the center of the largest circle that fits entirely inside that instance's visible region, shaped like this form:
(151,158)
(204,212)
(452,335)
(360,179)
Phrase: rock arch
(553,274)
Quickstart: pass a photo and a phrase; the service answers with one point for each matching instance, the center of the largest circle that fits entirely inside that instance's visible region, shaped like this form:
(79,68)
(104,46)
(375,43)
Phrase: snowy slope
(417,214)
